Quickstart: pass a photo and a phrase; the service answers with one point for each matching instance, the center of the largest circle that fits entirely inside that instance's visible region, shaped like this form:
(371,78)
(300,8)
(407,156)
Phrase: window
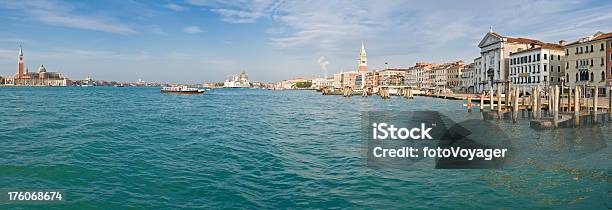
(603,76)
(558,68)
(529,59)
(602,61)
(576,77)
(601,48)
(551,68)
(545,77)
(545,67)
(591,48)
(559,57)
(567,65)
(591,76)
(566,51)
(544,56)
(591,62)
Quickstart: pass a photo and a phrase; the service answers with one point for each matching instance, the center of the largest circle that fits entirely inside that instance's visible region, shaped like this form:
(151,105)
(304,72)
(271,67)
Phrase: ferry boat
(181,89)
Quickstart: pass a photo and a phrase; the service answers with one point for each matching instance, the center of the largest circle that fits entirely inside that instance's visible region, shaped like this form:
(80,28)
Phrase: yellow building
(585,61)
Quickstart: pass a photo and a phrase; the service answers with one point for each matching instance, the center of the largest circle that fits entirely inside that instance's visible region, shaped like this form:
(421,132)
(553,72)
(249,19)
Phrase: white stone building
(495,51)
(541,65)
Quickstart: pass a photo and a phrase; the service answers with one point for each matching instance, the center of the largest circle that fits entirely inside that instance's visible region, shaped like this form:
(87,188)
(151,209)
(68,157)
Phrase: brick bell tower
(363,59)
(20,65)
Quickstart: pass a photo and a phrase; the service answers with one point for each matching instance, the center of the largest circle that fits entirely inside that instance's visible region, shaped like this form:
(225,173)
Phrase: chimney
(562,42)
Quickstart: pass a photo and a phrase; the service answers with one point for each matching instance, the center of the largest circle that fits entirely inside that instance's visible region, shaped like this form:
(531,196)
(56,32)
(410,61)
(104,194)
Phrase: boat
(182,89)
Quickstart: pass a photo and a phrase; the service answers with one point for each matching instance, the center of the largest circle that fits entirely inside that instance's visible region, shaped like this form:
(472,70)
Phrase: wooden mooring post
(469,103)
(610,102)
(556,106)
(577,105)
(515,105)
(491,102)
(482,96)
(595,99)
(499,101)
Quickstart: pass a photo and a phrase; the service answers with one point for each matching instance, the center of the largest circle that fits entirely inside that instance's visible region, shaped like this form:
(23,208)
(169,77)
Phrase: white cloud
(62,14)
(193,30)
(175,7)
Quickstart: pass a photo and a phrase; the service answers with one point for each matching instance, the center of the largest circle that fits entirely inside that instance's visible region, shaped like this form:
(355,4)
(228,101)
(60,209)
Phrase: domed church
(40,78)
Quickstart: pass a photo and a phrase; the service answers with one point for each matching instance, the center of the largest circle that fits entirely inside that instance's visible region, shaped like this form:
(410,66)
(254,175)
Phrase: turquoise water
(112,148)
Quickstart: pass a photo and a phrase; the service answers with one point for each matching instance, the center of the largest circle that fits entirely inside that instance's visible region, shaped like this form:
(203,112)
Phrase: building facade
(480,77)
(453,75)
(467,78)
(495,51)
(393,77)
(542,65)
(345,79)
(586,61)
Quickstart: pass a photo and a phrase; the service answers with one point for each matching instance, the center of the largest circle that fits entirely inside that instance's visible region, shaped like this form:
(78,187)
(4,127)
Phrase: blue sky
(207,40)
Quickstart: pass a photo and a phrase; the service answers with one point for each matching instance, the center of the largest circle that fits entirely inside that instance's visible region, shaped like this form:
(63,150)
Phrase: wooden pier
(546,107)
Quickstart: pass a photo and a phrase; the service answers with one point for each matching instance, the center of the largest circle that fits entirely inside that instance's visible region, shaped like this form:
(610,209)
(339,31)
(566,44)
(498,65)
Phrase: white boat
(182,89)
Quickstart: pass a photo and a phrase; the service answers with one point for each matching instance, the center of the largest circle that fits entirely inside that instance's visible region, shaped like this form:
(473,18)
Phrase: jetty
(546,108)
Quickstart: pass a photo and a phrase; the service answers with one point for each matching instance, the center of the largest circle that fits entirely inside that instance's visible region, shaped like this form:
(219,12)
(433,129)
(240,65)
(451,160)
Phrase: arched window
(577,78)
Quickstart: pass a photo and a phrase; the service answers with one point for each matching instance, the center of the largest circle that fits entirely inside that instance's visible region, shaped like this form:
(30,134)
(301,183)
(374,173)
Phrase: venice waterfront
(114,148)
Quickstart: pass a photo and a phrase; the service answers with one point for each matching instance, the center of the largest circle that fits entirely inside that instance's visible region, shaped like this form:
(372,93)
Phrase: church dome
(42,68)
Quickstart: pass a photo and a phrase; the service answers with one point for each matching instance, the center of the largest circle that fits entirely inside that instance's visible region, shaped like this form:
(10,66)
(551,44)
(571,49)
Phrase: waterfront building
(438,76)
(345,79)
(453,74)
(480,77)
(372,80)
(495,50)
(467,78)
(40,78)
(585,61)
(318,83)
(411,77)
(609,64)
(322,82)
(422,74)
(393,77)
(540,65)
(238,81)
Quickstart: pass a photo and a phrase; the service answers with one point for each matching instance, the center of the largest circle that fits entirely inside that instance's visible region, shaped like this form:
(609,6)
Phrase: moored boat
(181,89)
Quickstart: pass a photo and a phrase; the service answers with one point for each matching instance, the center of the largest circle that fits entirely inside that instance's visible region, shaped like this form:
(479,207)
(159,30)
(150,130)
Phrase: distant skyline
(207,40)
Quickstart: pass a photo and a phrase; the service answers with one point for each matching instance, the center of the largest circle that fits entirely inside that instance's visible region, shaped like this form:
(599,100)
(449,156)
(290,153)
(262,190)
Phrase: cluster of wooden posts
(551,100)
(347,92)
(384,92)
(406,92)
